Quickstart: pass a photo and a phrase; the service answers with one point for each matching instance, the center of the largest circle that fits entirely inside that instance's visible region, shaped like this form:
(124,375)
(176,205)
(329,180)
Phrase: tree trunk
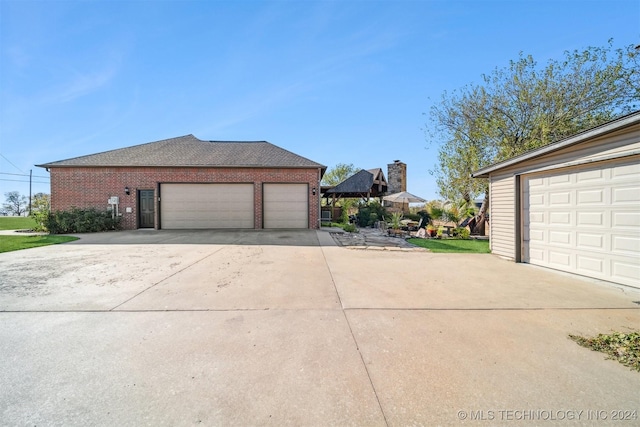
(481,217)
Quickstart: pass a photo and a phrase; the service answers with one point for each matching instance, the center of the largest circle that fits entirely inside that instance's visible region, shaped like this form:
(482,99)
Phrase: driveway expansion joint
(168,277)
(355,341)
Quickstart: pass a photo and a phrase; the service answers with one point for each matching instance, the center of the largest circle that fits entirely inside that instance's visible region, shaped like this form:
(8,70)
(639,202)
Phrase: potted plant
(395,223)
(431,230)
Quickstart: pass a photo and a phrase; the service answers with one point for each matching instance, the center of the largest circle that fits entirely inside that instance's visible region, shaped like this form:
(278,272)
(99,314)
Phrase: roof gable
(378,175)
(189,151)
(362,182)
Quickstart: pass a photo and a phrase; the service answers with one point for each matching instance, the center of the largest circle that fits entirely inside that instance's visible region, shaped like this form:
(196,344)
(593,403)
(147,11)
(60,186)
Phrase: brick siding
(85,187)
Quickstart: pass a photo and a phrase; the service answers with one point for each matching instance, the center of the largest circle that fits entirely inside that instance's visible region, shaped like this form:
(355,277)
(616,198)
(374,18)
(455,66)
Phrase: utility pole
(30,178)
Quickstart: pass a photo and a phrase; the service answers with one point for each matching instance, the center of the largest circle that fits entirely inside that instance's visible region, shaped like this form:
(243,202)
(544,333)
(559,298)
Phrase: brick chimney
(396,177)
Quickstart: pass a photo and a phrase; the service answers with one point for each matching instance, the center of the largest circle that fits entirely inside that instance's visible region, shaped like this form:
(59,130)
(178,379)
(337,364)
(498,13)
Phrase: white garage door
(286,205)
(191,206)
(585,220)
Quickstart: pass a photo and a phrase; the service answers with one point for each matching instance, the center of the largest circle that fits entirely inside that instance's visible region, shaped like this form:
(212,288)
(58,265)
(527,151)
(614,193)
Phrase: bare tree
(15,203)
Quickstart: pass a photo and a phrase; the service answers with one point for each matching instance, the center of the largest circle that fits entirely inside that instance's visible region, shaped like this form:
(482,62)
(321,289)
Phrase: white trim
(581,162)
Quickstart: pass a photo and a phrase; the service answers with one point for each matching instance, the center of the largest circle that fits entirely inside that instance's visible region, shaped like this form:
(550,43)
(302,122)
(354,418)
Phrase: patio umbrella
(403,197)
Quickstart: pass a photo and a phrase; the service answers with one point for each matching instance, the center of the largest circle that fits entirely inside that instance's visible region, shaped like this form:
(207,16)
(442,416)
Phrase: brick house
(188,183)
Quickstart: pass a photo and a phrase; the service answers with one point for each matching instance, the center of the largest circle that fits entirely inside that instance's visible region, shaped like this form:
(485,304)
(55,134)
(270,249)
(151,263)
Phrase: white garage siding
(585,220)
(502,215)
(206,206)
(286,205)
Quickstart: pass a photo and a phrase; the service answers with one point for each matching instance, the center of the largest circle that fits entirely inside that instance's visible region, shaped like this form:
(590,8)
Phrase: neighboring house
(187,183)
(573,205)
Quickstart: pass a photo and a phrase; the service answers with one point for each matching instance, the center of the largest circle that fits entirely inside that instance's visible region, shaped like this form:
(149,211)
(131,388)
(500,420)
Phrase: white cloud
(80,84)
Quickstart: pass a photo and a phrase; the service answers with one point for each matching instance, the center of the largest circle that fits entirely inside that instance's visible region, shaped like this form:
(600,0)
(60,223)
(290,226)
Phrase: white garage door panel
(585,221)
(206,206)
(286,205)
(594,265)
(623,271)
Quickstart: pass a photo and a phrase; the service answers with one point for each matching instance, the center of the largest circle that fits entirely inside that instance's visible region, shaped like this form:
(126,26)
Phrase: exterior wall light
(126,190)
(313,190)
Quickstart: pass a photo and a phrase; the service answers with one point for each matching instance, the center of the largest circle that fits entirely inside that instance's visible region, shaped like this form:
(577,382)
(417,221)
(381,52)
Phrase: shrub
(396,217)
(349,228)
(373,218)
(461,232)
(346,207)
(40,211)
(344,217)
(76,220)
(413,216)
(369,213)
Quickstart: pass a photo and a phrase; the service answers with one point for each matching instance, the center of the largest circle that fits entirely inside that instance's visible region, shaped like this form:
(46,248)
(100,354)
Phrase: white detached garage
(573,205)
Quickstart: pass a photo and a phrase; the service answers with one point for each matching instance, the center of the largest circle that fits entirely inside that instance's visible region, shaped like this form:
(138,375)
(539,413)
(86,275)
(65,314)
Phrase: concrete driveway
(286,328)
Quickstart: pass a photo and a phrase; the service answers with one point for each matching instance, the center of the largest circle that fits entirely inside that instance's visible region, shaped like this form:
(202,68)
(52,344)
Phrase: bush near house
(40,211)
(78,220)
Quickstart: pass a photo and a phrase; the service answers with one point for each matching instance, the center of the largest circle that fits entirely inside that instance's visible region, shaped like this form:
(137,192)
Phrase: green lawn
(16,223)
(16,243)
(453,245)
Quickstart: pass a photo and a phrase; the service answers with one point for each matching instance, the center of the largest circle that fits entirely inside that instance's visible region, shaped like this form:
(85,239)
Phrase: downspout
(319,198)
(518,220)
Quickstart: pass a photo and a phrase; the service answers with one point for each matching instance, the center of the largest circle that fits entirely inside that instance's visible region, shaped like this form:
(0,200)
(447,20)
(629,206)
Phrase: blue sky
(333,81)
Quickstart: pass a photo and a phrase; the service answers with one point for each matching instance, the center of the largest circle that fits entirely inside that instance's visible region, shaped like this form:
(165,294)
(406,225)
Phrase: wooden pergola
(364,184)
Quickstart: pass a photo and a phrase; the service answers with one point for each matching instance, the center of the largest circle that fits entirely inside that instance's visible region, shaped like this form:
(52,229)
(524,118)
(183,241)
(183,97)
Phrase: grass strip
(453,245)
(16,223)
(16,243)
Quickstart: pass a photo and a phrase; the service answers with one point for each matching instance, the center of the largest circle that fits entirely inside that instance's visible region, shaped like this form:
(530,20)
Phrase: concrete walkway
(21,233)
(372,239)
(287,328)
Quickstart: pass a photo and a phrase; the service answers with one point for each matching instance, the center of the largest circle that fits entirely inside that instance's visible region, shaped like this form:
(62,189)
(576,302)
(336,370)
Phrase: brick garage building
(188,183)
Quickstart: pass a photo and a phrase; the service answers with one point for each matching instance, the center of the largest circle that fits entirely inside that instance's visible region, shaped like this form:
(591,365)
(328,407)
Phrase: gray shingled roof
(360,182)
(190,151)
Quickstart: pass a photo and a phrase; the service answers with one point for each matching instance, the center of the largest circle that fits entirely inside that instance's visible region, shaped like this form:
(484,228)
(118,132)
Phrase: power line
(11,163)
(20,174)
(17,180)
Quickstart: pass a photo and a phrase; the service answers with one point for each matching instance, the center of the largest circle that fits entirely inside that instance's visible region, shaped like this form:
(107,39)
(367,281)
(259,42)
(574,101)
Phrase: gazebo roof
(364,183)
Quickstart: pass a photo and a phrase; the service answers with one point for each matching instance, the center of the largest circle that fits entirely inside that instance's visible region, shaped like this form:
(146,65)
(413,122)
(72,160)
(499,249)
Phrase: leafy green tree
(447,211)
(40,210)
(338,173)
(524,106)
(15,203)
